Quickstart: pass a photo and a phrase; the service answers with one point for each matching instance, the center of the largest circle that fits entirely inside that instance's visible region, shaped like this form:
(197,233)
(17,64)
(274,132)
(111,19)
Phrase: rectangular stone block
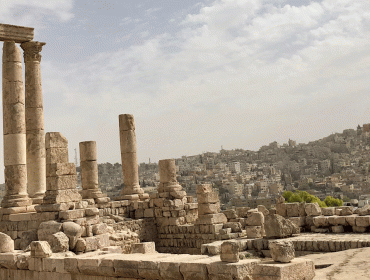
(210,219)
(61,196)
(65,182)
(208,208)
(55,140)
(143,248)
(204,188)
(18,34)
(72,214)
(207,198)
(60,169)
(57,155)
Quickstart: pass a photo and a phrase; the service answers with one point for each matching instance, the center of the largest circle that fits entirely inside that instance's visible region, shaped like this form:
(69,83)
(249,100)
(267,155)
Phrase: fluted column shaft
(35,131)
(128,155)
(14,128)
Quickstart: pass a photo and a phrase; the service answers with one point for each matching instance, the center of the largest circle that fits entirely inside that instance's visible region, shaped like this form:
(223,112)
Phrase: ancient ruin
(51,229)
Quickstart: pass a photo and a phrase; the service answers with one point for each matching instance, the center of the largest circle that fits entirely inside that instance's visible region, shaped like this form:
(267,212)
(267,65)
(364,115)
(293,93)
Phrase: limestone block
(364,210)
(88,151)
(230,214)
(60,169)
(177,194)
(64,182)
(346,211)
(225,231)
(72,214)
(282,251)
(27,237)
(230,251)
(167,171)
(255,219)
(6,243)
(57,155)
(235,226)
(363,221)
(35,119)
(100,229)
(207,198)
(80,245)
(143,248)
(337,220)
(59,242)
(242,212)
(194,270)
(15,149)
(321,221)
(48,228)
(357,229)
(91,211)
(337,229)
(61,196)
(208,208)
(312,209)
(211,219)
(328,211)
(17,179)
(277,226)
(351,220)
(40,249)
(148,213)
(91,244)
(292,209)
(73,231)
(55,140)
(15,33)
(281,209)
(204,188)
(298,221)
(126,122)
(272,211)
(263,210)
(254,231)
(14,115)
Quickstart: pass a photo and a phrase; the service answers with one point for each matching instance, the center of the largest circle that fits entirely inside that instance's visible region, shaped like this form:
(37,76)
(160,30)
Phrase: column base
(91,193)
(15,201)
(132,190)
(37,198)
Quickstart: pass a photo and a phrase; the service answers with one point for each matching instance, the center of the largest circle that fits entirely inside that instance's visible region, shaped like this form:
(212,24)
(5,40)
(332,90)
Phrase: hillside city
(337,166)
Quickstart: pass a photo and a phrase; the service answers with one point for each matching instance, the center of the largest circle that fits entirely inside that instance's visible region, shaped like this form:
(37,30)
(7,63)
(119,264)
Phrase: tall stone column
(169,187)
(89,170)
(14,128)
(36,162)
(130,169)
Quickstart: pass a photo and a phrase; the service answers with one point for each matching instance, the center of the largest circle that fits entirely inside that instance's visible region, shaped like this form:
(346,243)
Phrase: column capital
(32,50)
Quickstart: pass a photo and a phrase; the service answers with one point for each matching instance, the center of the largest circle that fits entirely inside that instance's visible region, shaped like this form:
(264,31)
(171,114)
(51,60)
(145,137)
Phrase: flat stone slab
(16,33)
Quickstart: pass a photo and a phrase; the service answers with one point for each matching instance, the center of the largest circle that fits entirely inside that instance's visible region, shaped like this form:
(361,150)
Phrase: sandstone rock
(48,228)
(337,229)
(277,227)
(6,243)
(143,248)
(292,209)
(27,237)
(73,231)
(255,219)
(229,251)
(346,211)
(357,229)
(242,212)
(321,221)
(40,249)
(234,226)
(100,229)
(263,209)
(230,214)
(312,209)
(59,242)
(281,209)
(254,231)
(328,211)
(80,245)
(281,250)
(364,210)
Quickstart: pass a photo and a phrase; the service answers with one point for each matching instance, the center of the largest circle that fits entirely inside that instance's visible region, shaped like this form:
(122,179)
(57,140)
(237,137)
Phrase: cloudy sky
(198,74)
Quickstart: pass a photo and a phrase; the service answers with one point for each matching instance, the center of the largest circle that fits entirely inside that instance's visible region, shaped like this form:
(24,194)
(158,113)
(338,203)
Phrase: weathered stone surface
(6,243)
(292,209)
(211,219)
(337,229)
(59,242)
(281,209)
(255,219)
(230,251)
(73,231)
(16,33)
(55,140)
(143,248)
(40,249)
(253,231)
(48,228)
(277,226)
(27,237)
(263,210)
(100,229)
(364,210)
(346,210)
(321,221)
(282,251)
(312,209)
(328,211)
(208,208)
(230,214)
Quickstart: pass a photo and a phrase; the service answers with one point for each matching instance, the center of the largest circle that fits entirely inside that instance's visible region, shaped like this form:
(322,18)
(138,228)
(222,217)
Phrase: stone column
(14,128)
(36,162)
(89,170)
(129,158)
(168,185)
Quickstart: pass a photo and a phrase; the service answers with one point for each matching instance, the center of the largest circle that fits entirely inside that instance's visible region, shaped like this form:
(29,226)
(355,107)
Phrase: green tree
(332,202)
(287,195)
